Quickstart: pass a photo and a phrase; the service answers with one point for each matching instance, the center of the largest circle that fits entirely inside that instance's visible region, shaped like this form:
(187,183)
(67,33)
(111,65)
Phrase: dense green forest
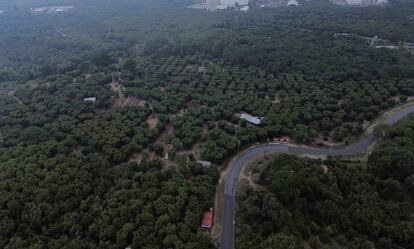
(52,197)
(40,45)
(169,84)
(302,80)
(332,203)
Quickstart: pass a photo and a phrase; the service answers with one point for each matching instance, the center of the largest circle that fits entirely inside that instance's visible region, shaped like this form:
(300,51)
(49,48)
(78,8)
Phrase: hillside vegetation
(106,108)
(332,203)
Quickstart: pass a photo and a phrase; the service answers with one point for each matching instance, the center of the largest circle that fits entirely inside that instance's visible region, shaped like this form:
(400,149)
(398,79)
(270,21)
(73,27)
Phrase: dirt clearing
(117,88)
(152,121)
(127,101)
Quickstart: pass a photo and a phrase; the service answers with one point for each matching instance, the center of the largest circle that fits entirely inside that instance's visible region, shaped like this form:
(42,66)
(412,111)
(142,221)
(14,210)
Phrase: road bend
(227,235)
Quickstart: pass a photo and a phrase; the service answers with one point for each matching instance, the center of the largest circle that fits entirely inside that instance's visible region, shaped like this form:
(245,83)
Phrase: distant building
(37,10)
(409,45)
(89,100)
(244,8)
(388,47)
(207,220)
(360,2)
(293,3)
(51,9)
(336,35)
(380,1)
(250,118)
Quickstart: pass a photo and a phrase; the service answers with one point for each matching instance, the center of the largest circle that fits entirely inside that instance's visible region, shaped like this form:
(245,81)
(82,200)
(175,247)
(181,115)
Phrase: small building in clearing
(250,118)
(90,100)
(293,3)
(207,220)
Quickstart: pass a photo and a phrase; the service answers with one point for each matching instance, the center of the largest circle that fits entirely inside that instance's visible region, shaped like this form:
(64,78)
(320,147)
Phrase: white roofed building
(250,118)
(90,99)
(293,3)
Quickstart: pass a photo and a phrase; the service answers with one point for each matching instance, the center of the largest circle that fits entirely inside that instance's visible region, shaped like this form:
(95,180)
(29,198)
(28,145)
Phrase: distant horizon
(361,1)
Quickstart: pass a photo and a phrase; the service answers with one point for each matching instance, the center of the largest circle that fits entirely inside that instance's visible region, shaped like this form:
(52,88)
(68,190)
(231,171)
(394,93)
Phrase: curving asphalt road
(228,214)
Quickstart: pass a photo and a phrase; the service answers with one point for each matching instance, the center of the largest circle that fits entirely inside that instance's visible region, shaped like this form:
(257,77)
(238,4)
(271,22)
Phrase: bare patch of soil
(77,151)
(365,124)
(152,156)
(116,87)
(136,158)
(169,129)
(167,164)
(127,101)
(306,245)
(251,173)
(152,121)
(195,150)
(205,130)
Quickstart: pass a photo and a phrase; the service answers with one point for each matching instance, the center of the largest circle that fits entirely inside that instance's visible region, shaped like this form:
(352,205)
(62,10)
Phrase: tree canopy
(335,202)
